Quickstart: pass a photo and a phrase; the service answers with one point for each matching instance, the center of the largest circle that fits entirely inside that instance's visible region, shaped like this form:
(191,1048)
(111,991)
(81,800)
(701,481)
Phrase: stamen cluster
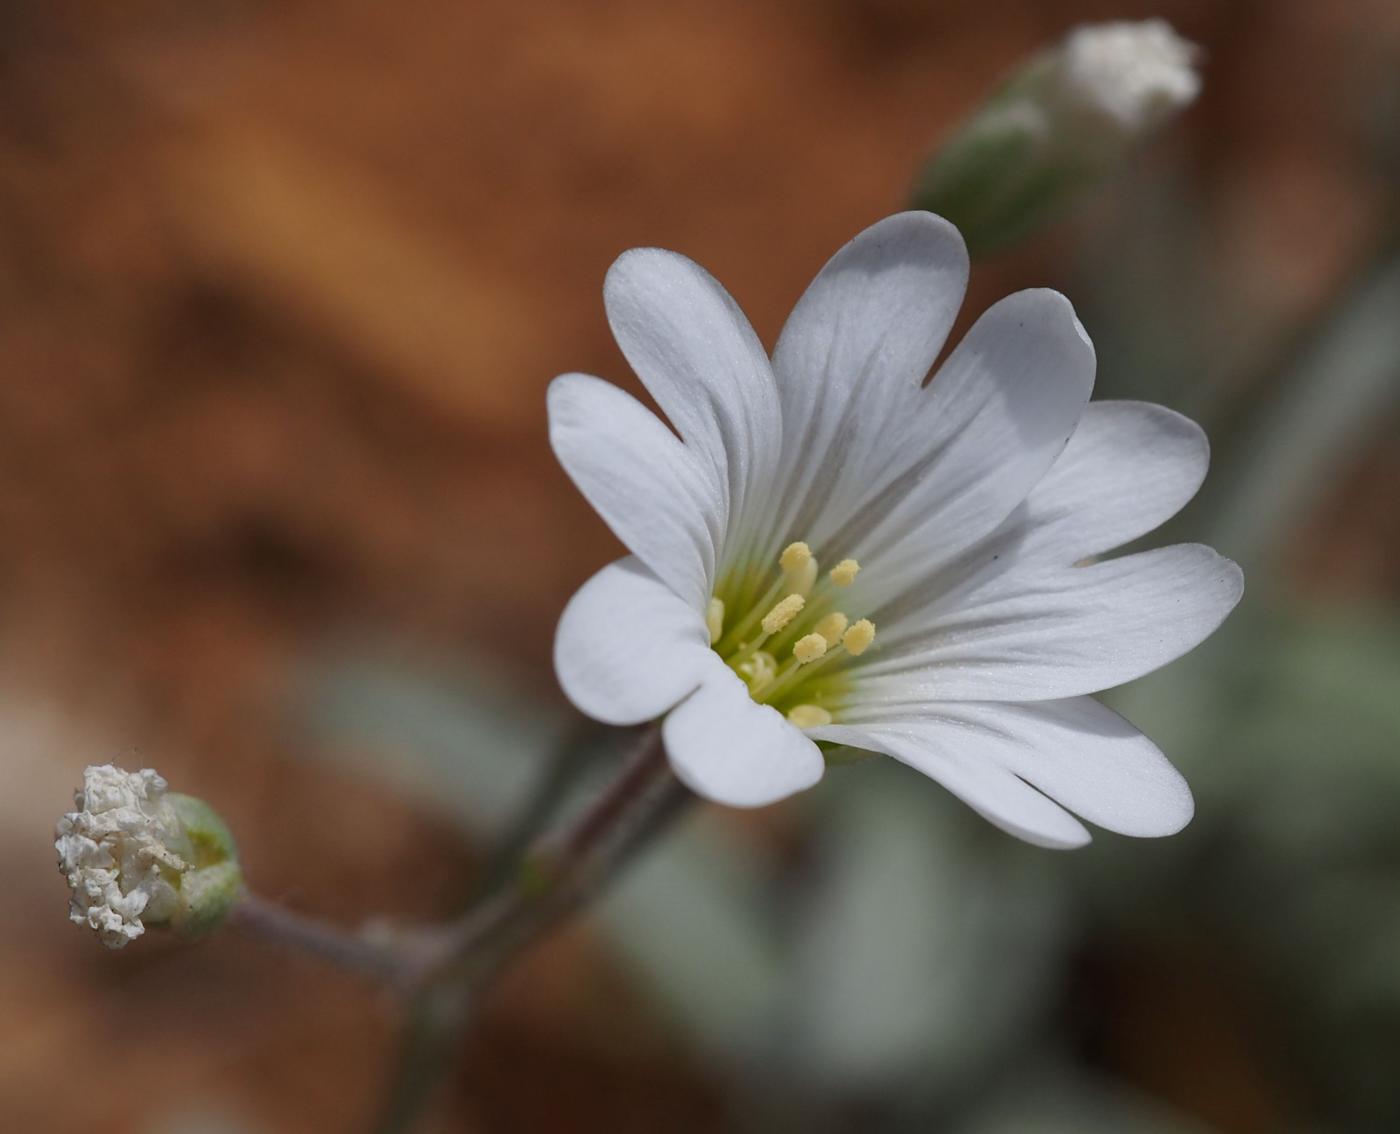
(794,619)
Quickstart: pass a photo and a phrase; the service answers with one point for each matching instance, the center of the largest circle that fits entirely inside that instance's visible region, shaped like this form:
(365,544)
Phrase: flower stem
(357,952)
(543,883)
(554,876)
(560,872)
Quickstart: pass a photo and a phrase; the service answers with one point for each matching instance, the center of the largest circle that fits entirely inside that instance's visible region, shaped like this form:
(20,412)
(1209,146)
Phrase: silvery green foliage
(1055,1099)
(456,738)
(693,919)
(922,949)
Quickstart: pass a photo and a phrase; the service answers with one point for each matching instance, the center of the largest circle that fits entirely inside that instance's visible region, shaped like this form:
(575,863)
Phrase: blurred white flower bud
(1057,127)
(1136,75)
(136,855)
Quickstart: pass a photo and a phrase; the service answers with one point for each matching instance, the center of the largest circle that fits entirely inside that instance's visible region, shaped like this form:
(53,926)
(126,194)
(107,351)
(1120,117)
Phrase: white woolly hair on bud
(1136,73)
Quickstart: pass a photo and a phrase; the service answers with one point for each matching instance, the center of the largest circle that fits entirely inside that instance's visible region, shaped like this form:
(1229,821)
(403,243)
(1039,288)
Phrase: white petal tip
(741,796)
(1171,814)
(626,648)
(1068,842)
(731,751)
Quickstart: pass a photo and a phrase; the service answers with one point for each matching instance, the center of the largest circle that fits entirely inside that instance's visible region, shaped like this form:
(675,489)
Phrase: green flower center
(785,636)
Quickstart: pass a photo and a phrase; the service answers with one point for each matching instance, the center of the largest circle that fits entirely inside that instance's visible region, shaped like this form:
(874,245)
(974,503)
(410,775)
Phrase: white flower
(1136,75)
(970,509)
(115,852)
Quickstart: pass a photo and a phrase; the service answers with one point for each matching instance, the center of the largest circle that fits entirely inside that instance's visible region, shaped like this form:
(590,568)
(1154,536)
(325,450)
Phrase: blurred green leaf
(456,738)
(1062,1101)
(920,951)
(1292,744)
(693,919)
(1340,388)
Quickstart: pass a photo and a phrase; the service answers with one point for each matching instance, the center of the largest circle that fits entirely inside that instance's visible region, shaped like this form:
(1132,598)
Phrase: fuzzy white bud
(1058,127)
(1134,74)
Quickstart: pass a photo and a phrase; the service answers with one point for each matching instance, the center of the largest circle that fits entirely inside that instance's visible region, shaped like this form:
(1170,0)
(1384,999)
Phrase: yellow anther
(858,638)
(714,619)
(832,627)
(783,612)
(799,568)
(808,716)
(809,648)
(844,573)
(759,670)
(795,555)
(803,578)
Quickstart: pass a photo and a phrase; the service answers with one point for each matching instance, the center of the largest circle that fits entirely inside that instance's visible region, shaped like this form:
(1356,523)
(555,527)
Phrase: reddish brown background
(281,288)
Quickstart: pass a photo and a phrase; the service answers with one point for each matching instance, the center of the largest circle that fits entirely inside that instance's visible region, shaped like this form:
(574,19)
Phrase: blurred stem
(578,753)
(551,879)
(558,873)
(357,952)
(431,1040)
(446,971)
(1341,384)
(555,875)
(437,1016)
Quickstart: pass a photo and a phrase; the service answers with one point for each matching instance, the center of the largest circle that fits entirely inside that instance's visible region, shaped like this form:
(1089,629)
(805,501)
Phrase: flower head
(962,619)
(135,854)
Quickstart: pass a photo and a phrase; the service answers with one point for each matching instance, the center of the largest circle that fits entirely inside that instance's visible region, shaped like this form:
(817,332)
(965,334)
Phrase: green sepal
(214,883)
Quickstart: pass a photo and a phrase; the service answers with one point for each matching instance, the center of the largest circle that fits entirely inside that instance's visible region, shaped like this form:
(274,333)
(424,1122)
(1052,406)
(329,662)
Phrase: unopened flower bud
(1058,127)
(137,855)
(1132,76)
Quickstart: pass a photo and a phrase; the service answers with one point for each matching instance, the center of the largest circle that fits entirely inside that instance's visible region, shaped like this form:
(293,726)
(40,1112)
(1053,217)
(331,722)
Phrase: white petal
(960,761)
(854,353)
(1129,467)
(994,419)
(728,749)
(648,487)
(627,648)
(1039,635)
(1076,751)
(697,355)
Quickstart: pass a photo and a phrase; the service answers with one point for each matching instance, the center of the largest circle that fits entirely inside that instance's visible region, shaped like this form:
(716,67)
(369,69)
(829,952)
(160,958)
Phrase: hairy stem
(554,876)
(560,872)
(358,952)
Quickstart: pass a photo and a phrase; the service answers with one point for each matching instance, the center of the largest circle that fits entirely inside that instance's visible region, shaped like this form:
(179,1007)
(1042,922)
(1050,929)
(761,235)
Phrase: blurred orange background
(281,288)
